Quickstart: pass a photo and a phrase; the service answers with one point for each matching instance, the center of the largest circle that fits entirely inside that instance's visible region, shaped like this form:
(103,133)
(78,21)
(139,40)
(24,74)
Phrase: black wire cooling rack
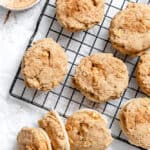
(65,99)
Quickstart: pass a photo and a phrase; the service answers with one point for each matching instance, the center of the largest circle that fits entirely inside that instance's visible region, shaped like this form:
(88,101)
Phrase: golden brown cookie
(44,65)
(101,77)
(75,15)
(87,130)
(135,121)
(130,29)
(143,73)
(55,129)
(33,139)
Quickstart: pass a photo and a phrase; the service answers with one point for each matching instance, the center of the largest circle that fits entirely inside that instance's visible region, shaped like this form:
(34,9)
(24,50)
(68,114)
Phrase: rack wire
(65,99)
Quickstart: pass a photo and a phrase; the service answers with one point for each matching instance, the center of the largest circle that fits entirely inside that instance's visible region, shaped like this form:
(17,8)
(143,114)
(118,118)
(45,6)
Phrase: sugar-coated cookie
(101,77)
(44,65)
(78,15)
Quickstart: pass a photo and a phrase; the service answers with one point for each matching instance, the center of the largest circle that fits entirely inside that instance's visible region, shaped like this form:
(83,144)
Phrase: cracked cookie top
(75,15)
(87,130)
(101,77)
(44,65)
(130,29)
(135,121)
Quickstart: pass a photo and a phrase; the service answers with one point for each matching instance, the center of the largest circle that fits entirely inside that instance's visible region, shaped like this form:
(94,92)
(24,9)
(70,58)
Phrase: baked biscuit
(55,129)
(44,65)
(33,139)
(135,121)
(143,73)
(130,29)
(87,130)
(78,15)
(101,77)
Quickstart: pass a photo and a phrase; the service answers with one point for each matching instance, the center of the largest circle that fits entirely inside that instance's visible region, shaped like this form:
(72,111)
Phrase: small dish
(5,4)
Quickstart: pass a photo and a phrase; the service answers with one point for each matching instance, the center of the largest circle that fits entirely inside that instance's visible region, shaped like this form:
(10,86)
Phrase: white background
(14,36)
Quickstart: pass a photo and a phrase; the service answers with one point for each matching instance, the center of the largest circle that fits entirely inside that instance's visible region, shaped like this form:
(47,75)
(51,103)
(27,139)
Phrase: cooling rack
(65,99)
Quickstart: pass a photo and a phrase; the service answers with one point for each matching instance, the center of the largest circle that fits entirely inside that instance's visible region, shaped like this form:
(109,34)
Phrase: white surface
(14,36)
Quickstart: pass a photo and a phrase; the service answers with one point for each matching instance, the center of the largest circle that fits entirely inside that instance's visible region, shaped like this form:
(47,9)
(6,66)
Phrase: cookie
(143,73)
(55,129)
(44,65)
(130,29)
(33,139)
(75,15)
(101,77)
(135,121)
(87,130)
